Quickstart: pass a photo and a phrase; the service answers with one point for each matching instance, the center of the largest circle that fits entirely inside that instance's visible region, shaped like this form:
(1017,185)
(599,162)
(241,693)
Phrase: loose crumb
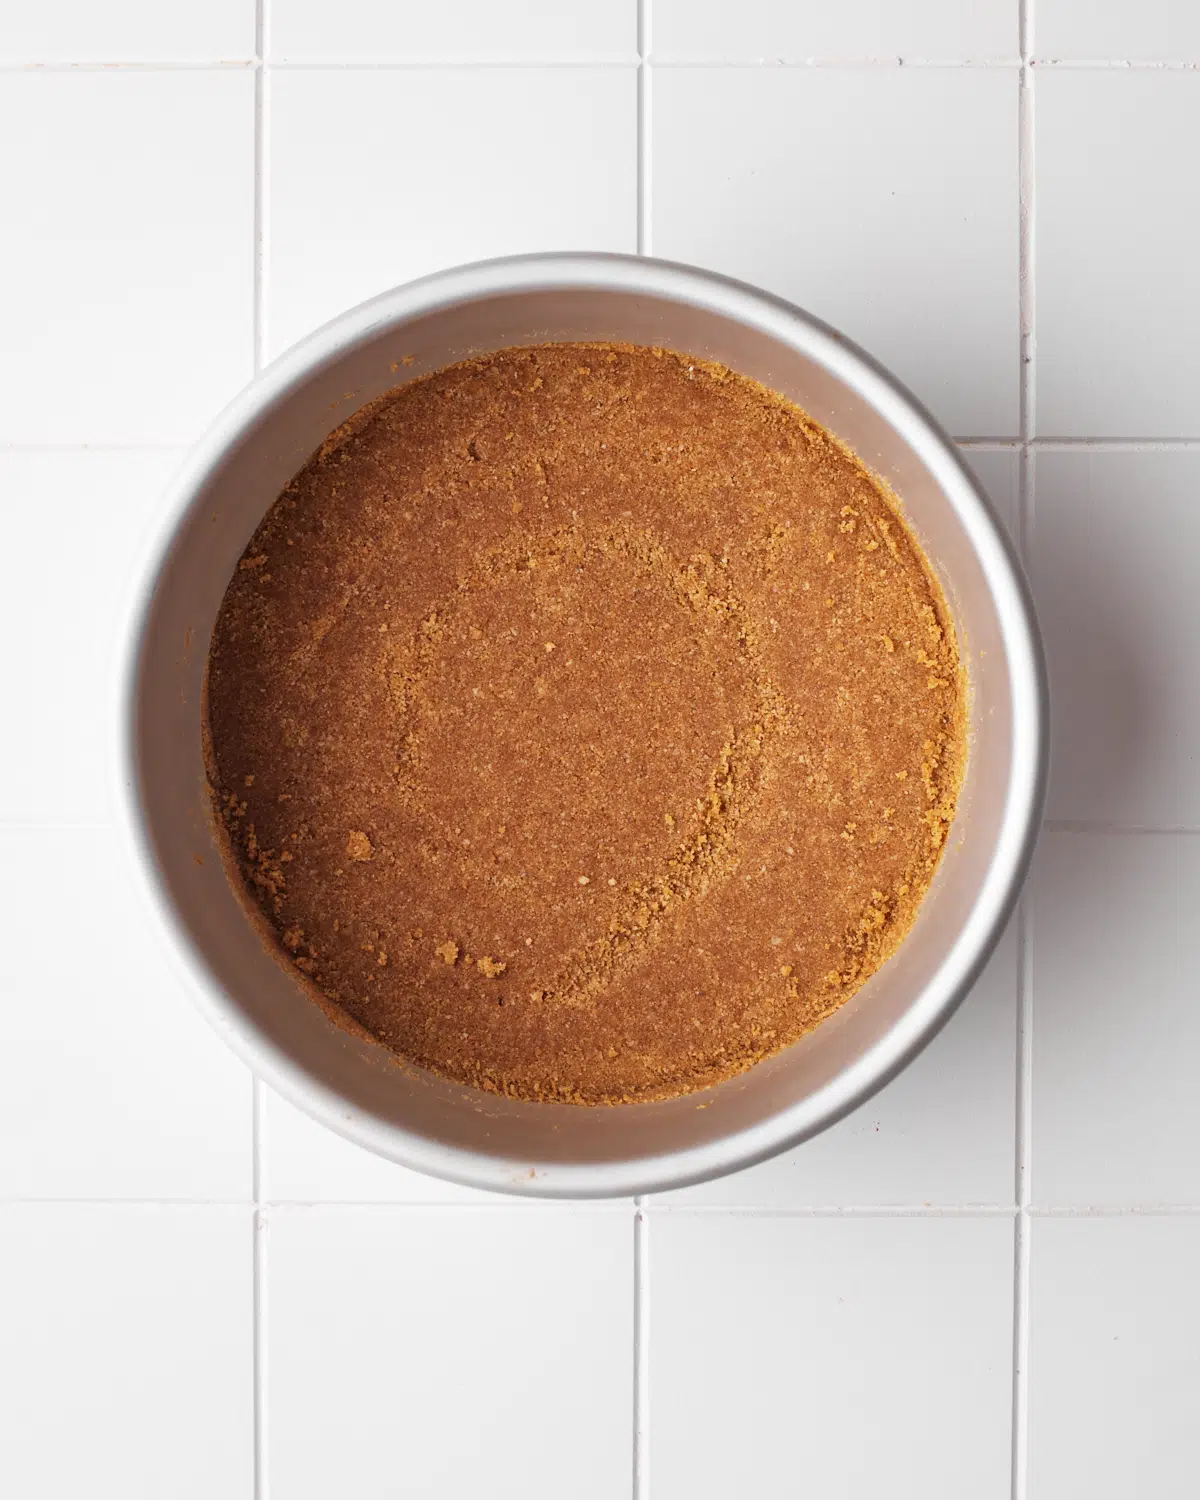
(358,846)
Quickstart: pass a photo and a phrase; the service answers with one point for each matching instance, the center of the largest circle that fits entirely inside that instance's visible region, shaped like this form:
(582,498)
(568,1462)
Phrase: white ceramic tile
(1114,1373)
(452,30)
(885,201)
(1117,276)
(1156,30)
(346,222)
(80,518)
(449,1351)
(771,31)
(941,1133)
(126,1352)
(111,1085)
(837,1357)
(1116,1027)
(126,275)
(1114,542)
(127,31)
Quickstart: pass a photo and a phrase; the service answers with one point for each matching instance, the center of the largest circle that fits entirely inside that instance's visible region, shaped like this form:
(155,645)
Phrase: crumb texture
(586,723)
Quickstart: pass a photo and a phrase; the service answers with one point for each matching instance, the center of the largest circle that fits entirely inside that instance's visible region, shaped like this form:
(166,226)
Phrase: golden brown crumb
(625,664)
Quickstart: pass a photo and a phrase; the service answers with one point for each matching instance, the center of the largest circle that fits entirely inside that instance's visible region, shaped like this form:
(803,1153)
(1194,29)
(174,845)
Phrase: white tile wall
(469,1352)
(1113,30)
(126,281)
(826,1356)
(1114,1360)
(79,31)
(1008,1230)
(1117,277)
(126,1352)
(1115,536)
(766,31)
(309,31)
(1116,1026)
(84,515)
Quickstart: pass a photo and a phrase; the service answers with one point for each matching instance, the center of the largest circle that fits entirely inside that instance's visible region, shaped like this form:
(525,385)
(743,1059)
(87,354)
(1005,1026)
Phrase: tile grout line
(643,127)
(1117,444)
(1126,65)
(1083,445)
(1024,1035)
(641,1351)
(601,1209)
(603,63)
(1025,269)
(259,1241)
(260,1356)
(133,447)
(1024,1214)
(260,156)
(866,62)
(640,1476)
(1117,1211)
(833,1211)
(259,1393)
(849,63)
(1107,830)
(137,65)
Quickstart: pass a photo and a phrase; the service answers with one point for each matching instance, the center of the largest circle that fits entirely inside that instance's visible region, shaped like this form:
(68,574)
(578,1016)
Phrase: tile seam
(1024,997)
(258,1266)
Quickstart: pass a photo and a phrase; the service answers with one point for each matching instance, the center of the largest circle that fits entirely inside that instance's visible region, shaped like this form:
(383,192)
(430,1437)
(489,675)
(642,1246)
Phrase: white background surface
(984,1283)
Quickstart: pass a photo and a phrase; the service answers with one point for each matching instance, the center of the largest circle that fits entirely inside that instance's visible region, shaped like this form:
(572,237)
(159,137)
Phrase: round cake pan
(255,1000)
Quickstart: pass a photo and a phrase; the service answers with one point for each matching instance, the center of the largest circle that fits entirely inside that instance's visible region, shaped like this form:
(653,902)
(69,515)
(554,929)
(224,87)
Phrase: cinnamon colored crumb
(358,846)
(643,690)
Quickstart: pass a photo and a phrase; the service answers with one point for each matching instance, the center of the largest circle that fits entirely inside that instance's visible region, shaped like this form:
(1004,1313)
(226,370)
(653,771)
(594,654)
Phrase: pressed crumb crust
(586,723)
